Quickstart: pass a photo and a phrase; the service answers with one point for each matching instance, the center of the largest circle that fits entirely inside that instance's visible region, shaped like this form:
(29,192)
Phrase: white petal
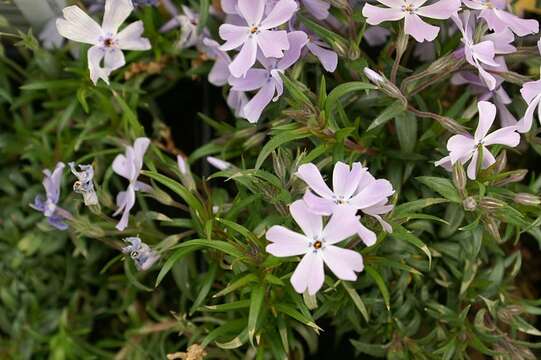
(286,242)
(78,26)
(342,224)
(116,12)
(130,37)
(95,56)
(309,274)
(114,59)
(310,223)
(343,262)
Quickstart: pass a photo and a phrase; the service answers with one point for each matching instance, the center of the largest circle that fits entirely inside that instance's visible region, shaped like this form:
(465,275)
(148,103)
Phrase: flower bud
(385,85)
(353,52)
(512,177)
(254,140)
(490,203)
(451,125)
(527,199)
(492,228)
(501,162)
(459,178)
(469,203)
(218,163)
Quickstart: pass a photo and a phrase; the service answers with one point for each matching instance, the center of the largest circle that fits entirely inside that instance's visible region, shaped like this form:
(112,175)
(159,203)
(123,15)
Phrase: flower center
(253,29)
(108,42)
(409,8)
(317,245)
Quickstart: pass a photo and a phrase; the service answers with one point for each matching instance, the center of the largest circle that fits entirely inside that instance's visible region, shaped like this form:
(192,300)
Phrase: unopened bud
(218,163)
(254,140)
(279,165)
(340,47)
(459,178)
(501,162)
(353,52)
(527,199)
(469,203)
(508,314)
(451,125)
(402,42)
(385,85)
(492,228)
(490,203)
(512,177)
(161,196)
(185,173)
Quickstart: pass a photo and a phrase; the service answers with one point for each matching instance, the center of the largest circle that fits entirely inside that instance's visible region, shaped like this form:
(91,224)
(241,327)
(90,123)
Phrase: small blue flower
(84,184)
(143,256)
(48,206)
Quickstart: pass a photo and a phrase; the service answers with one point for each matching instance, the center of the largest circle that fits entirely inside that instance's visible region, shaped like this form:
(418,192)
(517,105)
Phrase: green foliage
(450,282)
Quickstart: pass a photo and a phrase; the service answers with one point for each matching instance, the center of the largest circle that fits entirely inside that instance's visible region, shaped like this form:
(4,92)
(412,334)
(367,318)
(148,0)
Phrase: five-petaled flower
(268,80)
(463,148)
(257,34)
(55,214)
(318,245)
(107,43)
(410,11)
(129,166)
(354,187)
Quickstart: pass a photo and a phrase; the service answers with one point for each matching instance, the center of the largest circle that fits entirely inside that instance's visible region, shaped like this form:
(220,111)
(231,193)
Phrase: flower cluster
(354,189)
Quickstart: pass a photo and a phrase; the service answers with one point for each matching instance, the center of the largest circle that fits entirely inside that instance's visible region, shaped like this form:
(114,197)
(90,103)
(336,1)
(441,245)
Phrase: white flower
(107,43)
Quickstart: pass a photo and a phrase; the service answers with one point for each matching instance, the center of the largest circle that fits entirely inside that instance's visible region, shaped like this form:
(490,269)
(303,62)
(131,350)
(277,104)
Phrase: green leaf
(296,90)
(178,188)
(291,312)
(400,233)
(206,284)
(204,7)
(171,261)
(234,305)
(343,89)
(277,141)
(406,130)
(256,301)
(389,113)
(240,283)
(442,186)
(359,304)
(129,270)
(380,284)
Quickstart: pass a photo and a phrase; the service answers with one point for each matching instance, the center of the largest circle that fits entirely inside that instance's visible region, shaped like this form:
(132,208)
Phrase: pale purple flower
(376,35)
(463,148)
(268,80)
(49,36)
(85,183)
(129,166)
(319,9)
(493,11)
(51,182)
(411,11)
(142,255)
(354,187)
(188,23)
(257,33)
(219,75)
(107,43)
(531,93)
(322,51)
(317,244)
(477,54)
(499,96)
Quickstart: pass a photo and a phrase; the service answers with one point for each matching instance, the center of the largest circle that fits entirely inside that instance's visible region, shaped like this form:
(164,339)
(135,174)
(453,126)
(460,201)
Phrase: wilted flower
(355,188)
(493,11)
(463,148)
(317,244)
(257,33)
(106,41)
(51,182)
(268,80)
(129,166)
(410,11)
(84,184)
(531,93)
(143,256)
